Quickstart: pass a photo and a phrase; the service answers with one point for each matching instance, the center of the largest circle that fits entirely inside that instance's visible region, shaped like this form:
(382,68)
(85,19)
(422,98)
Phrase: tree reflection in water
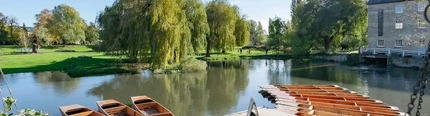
(215,92)
(62,84)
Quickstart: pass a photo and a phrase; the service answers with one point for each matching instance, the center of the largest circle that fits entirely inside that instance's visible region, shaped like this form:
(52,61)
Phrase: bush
(193,65)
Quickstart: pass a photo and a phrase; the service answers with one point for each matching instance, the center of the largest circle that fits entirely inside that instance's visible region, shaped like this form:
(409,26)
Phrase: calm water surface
(225,88)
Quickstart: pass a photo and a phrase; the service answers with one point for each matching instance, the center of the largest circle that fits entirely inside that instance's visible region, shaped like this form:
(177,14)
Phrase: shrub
(193,65)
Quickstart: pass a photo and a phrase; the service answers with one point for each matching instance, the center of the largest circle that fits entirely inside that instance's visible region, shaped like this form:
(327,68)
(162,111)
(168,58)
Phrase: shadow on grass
(77,67)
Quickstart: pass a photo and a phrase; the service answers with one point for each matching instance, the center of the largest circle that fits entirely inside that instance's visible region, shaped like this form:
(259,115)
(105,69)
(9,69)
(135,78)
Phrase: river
(226,87)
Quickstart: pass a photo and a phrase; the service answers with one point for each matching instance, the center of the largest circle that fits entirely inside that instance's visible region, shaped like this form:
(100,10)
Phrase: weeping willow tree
(158,31)
(227,28)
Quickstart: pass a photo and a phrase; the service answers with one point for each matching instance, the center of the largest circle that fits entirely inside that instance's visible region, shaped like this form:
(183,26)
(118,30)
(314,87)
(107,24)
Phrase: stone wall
(351,58)
(411,34)
(406,62)
(335,58)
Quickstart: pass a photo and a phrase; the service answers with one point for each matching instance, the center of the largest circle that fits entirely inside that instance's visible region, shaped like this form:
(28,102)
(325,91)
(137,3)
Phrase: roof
(371,2)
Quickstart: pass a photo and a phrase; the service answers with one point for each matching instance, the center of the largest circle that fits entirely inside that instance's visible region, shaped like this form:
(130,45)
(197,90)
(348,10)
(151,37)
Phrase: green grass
(49,60)
(99,64)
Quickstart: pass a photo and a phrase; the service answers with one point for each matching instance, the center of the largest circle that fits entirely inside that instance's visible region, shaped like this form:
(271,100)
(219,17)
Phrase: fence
(389,51)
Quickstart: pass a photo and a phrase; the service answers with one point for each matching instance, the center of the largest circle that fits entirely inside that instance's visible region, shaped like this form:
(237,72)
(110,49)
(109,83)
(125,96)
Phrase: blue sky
(24,10)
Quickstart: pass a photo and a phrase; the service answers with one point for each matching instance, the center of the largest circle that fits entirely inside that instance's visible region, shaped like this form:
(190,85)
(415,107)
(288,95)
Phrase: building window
(421,24)
(421,7)
(399,43)
(399,8)
(399,25)
(380,43)
(422,42)
(380,22)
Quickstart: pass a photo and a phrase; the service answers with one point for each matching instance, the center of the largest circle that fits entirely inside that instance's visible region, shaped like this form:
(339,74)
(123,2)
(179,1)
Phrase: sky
(25,10)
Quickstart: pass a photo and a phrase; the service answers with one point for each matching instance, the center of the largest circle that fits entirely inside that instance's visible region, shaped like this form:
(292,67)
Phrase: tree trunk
(208,47)
(327,42)
(34,48)
(64,43)
(133,57)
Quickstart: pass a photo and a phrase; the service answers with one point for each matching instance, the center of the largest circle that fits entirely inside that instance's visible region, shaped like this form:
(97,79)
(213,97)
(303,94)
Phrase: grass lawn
(49,60)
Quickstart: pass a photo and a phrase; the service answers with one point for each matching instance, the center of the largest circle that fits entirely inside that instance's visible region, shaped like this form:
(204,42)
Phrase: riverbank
(78,61)
(74,60)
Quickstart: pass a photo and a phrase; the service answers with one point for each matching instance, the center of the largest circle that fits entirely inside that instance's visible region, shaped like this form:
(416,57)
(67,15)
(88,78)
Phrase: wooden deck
(320,100)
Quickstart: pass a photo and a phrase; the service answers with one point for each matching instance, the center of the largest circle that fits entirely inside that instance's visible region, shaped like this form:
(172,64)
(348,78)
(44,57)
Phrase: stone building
(397,24)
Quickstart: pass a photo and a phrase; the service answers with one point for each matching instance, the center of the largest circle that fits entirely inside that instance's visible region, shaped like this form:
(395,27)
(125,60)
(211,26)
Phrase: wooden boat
(340,102)
(149,107)
(370,110)
(78,110)
(111,107)
(332,110)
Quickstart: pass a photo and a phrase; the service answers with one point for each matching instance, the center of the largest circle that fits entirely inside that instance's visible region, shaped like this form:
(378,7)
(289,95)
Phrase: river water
(226,87)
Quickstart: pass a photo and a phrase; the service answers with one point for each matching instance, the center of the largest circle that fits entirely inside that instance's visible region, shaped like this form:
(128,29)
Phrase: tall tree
(257,33)
(91,33)
(3,32)
(277,30)
(242,31)
(43,18)
(12,21)
(261,36)
(23,40)
(252,31)
(198,23)
(41,35)
(313,20)
(222,19)
(167,31)
(67,24)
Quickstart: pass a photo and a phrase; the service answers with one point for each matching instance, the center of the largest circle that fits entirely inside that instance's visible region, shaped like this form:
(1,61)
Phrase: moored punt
(78,110)
(149,107)
(341,108)
(340,102)
(325,100)
(112,107)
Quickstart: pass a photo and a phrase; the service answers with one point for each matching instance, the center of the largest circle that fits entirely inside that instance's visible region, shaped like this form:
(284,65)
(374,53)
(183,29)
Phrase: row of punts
(325,100)
(141,106)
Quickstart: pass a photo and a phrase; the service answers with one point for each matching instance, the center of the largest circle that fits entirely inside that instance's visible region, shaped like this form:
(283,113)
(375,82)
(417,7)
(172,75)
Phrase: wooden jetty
(319,100)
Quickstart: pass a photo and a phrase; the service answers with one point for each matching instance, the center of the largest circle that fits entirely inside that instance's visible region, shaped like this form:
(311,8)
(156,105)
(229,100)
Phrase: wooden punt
(306,85)
(325,100)
(78,110)
(111,107)
(149,107)
(369,110)
(304,112)
(350,103)
(315,90)
(329,94)
(336,110)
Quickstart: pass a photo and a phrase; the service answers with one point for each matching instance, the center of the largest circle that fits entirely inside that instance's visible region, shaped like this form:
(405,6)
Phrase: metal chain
(418,86)
(422,79)
(420,101)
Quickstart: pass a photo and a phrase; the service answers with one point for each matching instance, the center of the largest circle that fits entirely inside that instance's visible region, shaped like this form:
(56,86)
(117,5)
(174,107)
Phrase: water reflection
(61,82)
(226,87)
(184,94)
